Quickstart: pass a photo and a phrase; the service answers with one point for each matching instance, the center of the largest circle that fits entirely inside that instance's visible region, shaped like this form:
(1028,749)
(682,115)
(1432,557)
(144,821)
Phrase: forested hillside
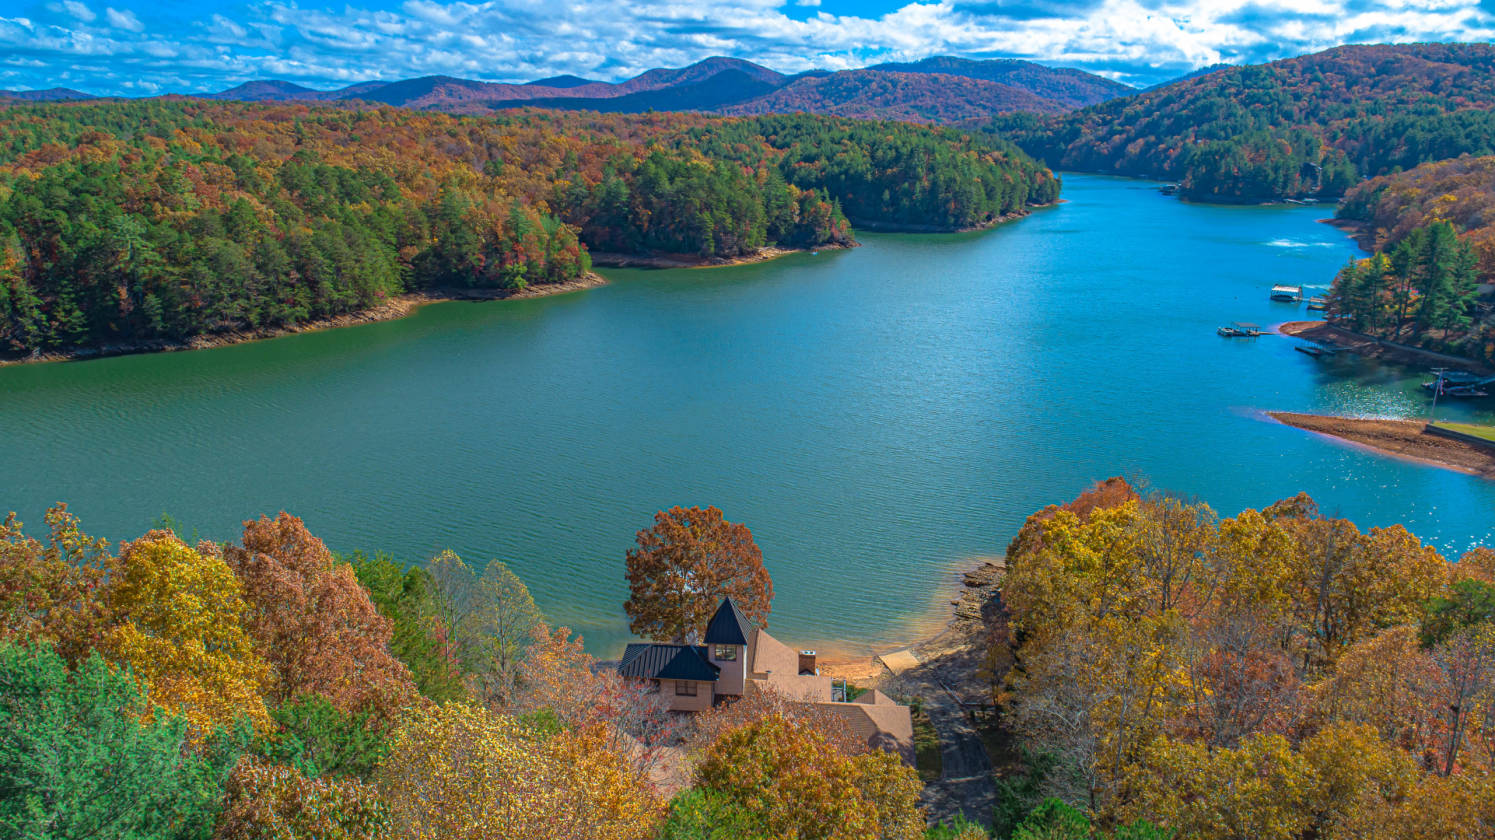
(160,220)
(1168,673)
(1276,675)
(881,94)
(1313,125)
(1460,191)
(1433,236)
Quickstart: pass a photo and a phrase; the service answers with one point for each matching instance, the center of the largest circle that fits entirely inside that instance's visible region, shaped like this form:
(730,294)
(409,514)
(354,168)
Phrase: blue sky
(146,47)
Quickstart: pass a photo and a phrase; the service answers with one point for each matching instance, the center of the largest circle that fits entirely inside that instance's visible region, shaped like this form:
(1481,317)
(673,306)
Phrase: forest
(1279,674)
(1162,671)
(1313,125)
(267,688)
(1433,243)
(127,223)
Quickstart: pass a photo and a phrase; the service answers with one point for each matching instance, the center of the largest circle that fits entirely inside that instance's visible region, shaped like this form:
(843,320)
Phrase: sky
(150,47)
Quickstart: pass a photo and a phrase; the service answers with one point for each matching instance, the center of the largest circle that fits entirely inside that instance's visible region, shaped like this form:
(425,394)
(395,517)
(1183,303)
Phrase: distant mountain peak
(561,82)
(56,94)
(936,89)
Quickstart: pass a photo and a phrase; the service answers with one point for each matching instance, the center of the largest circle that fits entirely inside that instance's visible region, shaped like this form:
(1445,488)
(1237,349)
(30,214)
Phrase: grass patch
(1483,432)
(926,745)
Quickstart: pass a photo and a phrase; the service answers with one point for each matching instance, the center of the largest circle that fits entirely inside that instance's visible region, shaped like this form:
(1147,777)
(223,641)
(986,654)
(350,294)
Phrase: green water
(878,417)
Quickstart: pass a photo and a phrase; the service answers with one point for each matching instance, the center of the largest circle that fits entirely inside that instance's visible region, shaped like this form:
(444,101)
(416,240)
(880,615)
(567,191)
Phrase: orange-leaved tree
(179,612)
(49,591)
(682,568)
(314,622)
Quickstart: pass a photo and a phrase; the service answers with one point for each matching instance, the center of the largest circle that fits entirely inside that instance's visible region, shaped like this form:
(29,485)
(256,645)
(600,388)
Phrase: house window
(726,653)
(685,688)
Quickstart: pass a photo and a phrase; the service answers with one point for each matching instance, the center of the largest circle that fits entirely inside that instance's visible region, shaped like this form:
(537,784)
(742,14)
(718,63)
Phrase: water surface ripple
(878,417)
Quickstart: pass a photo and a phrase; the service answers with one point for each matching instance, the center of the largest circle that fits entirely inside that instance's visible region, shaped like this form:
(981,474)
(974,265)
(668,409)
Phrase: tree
(559,678)
(81,756)
(318,739)
(492,618)
(682,568)
(1053,820)
(315,624)
(49,592)
(785,780)
(420,639)
(460,772)
(274,801)
(180,631)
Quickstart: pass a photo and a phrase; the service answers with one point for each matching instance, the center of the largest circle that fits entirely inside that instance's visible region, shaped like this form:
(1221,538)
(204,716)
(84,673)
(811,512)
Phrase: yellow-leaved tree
(460,772)
(178,626)
(781,777)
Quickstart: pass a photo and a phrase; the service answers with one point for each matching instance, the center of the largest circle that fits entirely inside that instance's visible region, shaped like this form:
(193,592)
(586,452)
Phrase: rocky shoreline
(391,310)
(1376,348)
(895,227)
(611,259)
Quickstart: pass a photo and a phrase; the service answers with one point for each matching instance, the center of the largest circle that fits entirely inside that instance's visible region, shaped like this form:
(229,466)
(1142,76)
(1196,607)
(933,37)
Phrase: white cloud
(123,20)
(77,10)
(322,42)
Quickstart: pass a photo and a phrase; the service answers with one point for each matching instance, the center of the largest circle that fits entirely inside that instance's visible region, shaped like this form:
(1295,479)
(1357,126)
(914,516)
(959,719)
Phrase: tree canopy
(682,568)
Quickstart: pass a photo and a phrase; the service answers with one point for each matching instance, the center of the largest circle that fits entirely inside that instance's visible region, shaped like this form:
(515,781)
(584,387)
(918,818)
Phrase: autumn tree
(492,618)
(82,756)
(419,638)
(179,614)
(558,677)
(313,622)
(684,565)
(274,801)
(49,591)
(460,772)
(784,779)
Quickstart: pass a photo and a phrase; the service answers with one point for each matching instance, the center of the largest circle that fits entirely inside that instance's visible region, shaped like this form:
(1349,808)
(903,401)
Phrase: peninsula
(1399,438)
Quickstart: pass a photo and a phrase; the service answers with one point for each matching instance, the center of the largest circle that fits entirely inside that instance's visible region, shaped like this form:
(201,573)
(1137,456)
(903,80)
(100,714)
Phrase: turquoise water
(879,417)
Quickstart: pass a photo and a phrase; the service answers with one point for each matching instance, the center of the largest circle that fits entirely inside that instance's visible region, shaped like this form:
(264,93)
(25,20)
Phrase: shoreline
(614,259)
(1362,233)
(1371,347)
(1406,439)
(943,654)
(392,310)
(896,227)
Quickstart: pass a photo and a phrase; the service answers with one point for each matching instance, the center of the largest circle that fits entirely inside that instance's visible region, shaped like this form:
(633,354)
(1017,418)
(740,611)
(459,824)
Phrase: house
(737,658)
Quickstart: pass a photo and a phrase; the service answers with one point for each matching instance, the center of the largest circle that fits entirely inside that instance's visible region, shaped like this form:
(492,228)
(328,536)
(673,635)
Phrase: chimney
(807,662)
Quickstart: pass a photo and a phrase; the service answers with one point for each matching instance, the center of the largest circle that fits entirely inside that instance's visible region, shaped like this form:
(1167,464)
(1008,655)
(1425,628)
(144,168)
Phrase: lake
(880,417)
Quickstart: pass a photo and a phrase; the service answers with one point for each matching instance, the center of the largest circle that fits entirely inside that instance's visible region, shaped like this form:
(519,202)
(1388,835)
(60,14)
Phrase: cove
(879,417)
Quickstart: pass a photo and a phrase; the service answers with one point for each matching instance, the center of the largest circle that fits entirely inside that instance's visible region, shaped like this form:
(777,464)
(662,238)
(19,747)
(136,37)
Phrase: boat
(1315,350)
(1239,329)
(1458,379)
(1288,294)
(1318,304)
(1465,391)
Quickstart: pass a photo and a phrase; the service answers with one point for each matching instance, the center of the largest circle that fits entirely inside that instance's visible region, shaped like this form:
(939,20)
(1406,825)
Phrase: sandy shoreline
(1399,438)
(965,631)
(1375,348)
(394,309)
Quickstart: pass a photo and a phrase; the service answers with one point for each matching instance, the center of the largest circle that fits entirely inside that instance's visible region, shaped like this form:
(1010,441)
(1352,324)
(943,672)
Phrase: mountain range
(942,89)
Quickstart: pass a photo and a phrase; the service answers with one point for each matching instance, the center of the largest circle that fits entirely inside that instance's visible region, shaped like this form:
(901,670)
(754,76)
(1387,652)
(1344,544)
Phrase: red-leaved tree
(682,568)
(314,623)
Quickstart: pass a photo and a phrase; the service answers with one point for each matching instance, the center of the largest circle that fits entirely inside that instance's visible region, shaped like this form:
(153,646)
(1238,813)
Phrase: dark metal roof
(728,626)
(667,662)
